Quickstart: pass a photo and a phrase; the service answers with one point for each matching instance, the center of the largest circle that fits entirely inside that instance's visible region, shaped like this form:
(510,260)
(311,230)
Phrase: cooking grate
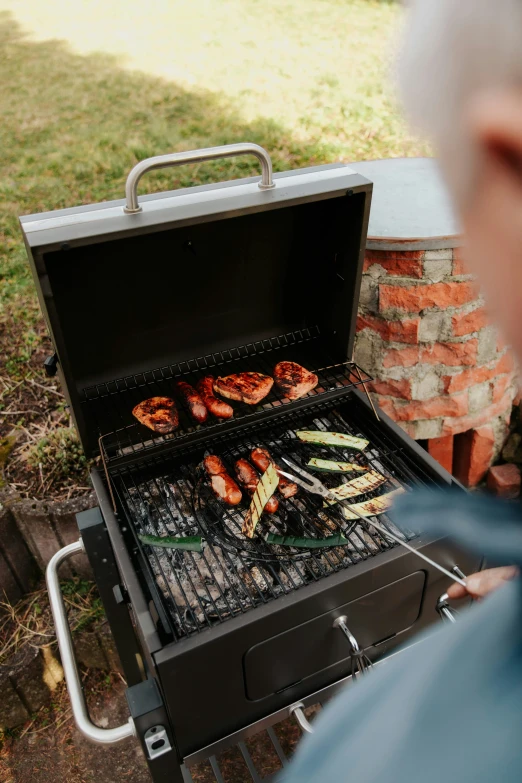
(234,574)
(109,405)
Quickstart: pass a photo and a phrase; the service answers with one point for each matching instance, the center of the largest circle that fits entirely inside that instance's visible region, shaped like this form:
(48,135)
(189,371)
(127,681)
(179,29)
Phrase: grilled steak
(193,401)
(249,479)
(293,380)
(205,387)
(157,413)
(249,387)
(224,487)
(262,459)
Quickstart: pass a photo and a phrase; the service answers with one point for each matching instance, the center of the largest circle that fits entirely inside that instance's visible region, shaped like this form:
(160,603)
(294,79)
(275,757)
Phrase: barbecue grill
(218,279)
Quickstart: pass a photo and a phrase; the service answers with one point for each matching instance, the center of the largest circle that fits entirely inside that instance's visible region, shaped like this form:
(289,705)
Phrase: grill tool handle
(443,607)
(195,156)
(65,644)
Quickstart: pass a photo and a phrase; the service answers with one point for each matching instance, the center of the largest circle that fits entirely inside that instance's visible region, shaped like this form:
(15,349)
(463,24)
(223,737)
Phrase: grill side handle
(195,156)
(65,644)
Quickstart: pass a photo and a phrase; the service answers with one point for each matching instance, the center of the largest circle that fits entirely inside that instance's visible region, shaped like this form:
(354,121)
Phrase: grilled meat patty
(157,413)
(193,401)
(262,459)
(249,479)
(205,387)
(293,380)
(223,485)
(249,387)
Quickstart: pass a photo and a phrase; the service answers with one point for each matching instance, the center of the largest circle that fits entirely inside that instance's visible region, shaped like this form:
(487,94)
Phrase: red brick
(453,383)
(441,449)
(499,386)
(413,299)
(504,481)
(453,426)
(406,264)
(405,331)
(473,455)
(401,357)
(457,405)
(459,265)
(392,388)
(451,354)
(465,323)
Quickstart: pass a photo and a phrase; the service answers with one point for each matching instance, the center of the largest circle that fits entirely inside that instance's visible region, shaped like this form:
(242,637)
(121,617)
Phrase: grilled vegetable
(306,543)
(332,439)
(264,491)
(192,543)
(371,508)
(334,467)
(358,486)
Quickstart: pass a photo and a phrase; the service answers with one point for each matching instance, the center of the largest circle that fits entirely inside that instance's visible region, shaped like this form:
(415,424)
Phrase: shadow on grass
(73,126)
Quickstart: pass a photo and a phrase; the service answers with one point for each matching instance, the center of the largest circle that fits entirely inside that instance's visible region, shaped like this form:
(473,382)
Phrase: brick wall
(440,369)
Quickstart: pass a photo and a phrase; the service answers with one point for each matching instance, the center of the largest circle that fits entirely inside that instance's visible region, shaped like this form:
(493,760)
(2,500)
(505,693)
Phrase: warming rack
(232,575)
(108,406)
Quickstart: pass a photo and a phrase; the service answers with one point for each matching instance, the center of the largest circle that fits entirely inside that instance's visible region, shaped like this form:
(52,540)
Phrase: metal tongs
(316,487)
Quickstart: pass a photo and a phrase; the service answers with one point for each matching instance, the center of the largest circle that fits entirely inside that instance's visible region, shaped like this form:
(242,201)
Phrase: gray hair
(451,50)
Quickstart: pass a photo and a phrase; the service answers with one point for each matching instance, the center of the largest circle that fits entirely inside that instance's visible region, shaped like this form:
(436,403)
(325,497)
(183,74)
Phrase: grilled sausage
(262,459)
(249,479)
(158,414)
(217,407)
(193,401)
(225,488)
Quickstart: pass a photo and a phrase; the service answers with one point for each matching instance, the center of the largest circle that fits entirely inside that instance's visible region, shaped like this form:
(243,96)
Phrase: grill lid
(197,272)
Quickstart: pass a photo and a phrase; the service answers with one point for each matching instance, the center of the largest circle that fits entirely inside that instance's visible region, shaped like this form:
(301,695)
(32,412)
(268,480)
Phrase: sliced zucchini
(334,467)
(374,507)
(306,543)
(332,439)
(191,543)
(358,486)
(265,489)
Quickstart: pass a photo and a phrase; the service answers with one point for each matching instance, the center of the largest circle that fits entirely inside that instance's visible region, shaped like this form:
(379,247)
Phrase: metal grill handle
(360,661)
(297,711)
(65,644)
(195,156)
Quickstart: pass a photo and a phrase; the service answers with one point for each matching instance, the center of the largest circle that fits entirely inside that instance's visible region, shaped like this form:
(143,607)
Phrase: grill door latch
(51,365)
(360,661)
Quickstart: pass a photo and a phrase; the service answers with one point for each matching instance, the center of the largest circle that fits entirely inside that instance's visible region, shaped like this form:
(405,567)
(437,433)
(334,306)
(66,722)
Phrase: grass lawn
(90,88)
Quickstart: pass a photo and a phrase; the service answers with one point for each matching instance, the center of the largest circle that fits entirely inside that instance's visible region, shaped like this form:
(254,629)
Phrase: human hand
(484,582)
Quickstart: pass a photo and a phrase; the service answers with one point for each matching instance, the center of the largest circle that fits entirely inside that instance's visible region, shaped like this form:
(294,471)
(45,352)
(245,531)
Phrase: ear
(494,123)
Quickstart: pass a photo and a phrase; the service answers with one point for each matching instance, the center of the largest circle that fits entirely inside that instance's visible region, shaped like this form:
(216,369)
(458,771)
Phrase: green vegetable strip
(371,508)
(359,485)
(306,543)
(191,543)
(265,489)
(334,467)
(332,439)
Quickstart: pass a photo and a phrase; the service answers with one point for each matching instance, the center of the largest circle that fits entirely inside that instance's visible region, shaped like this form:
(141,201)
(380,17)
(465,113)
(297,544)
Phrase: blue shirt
(449,709)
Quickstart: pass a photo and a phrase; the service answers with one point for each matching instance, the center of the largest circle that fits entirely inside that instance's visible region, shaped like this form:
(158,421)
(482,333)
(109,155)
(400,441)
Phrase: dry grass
(29,622)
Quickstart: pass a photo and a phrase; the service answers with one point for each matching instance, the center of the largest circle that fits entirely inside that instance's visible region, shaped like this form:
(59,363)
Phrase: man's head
(460,73)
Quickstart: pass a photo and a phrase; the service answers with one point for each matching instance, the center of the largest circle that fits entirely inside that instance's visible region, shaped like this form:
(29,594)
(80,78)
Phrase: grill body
(220,279)
(235,673)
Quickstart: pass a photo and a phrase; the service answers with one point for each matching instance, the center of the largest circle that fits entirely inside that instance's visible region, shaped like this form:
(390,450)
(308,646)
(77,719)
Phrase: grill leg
(99,551)
(153,732)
